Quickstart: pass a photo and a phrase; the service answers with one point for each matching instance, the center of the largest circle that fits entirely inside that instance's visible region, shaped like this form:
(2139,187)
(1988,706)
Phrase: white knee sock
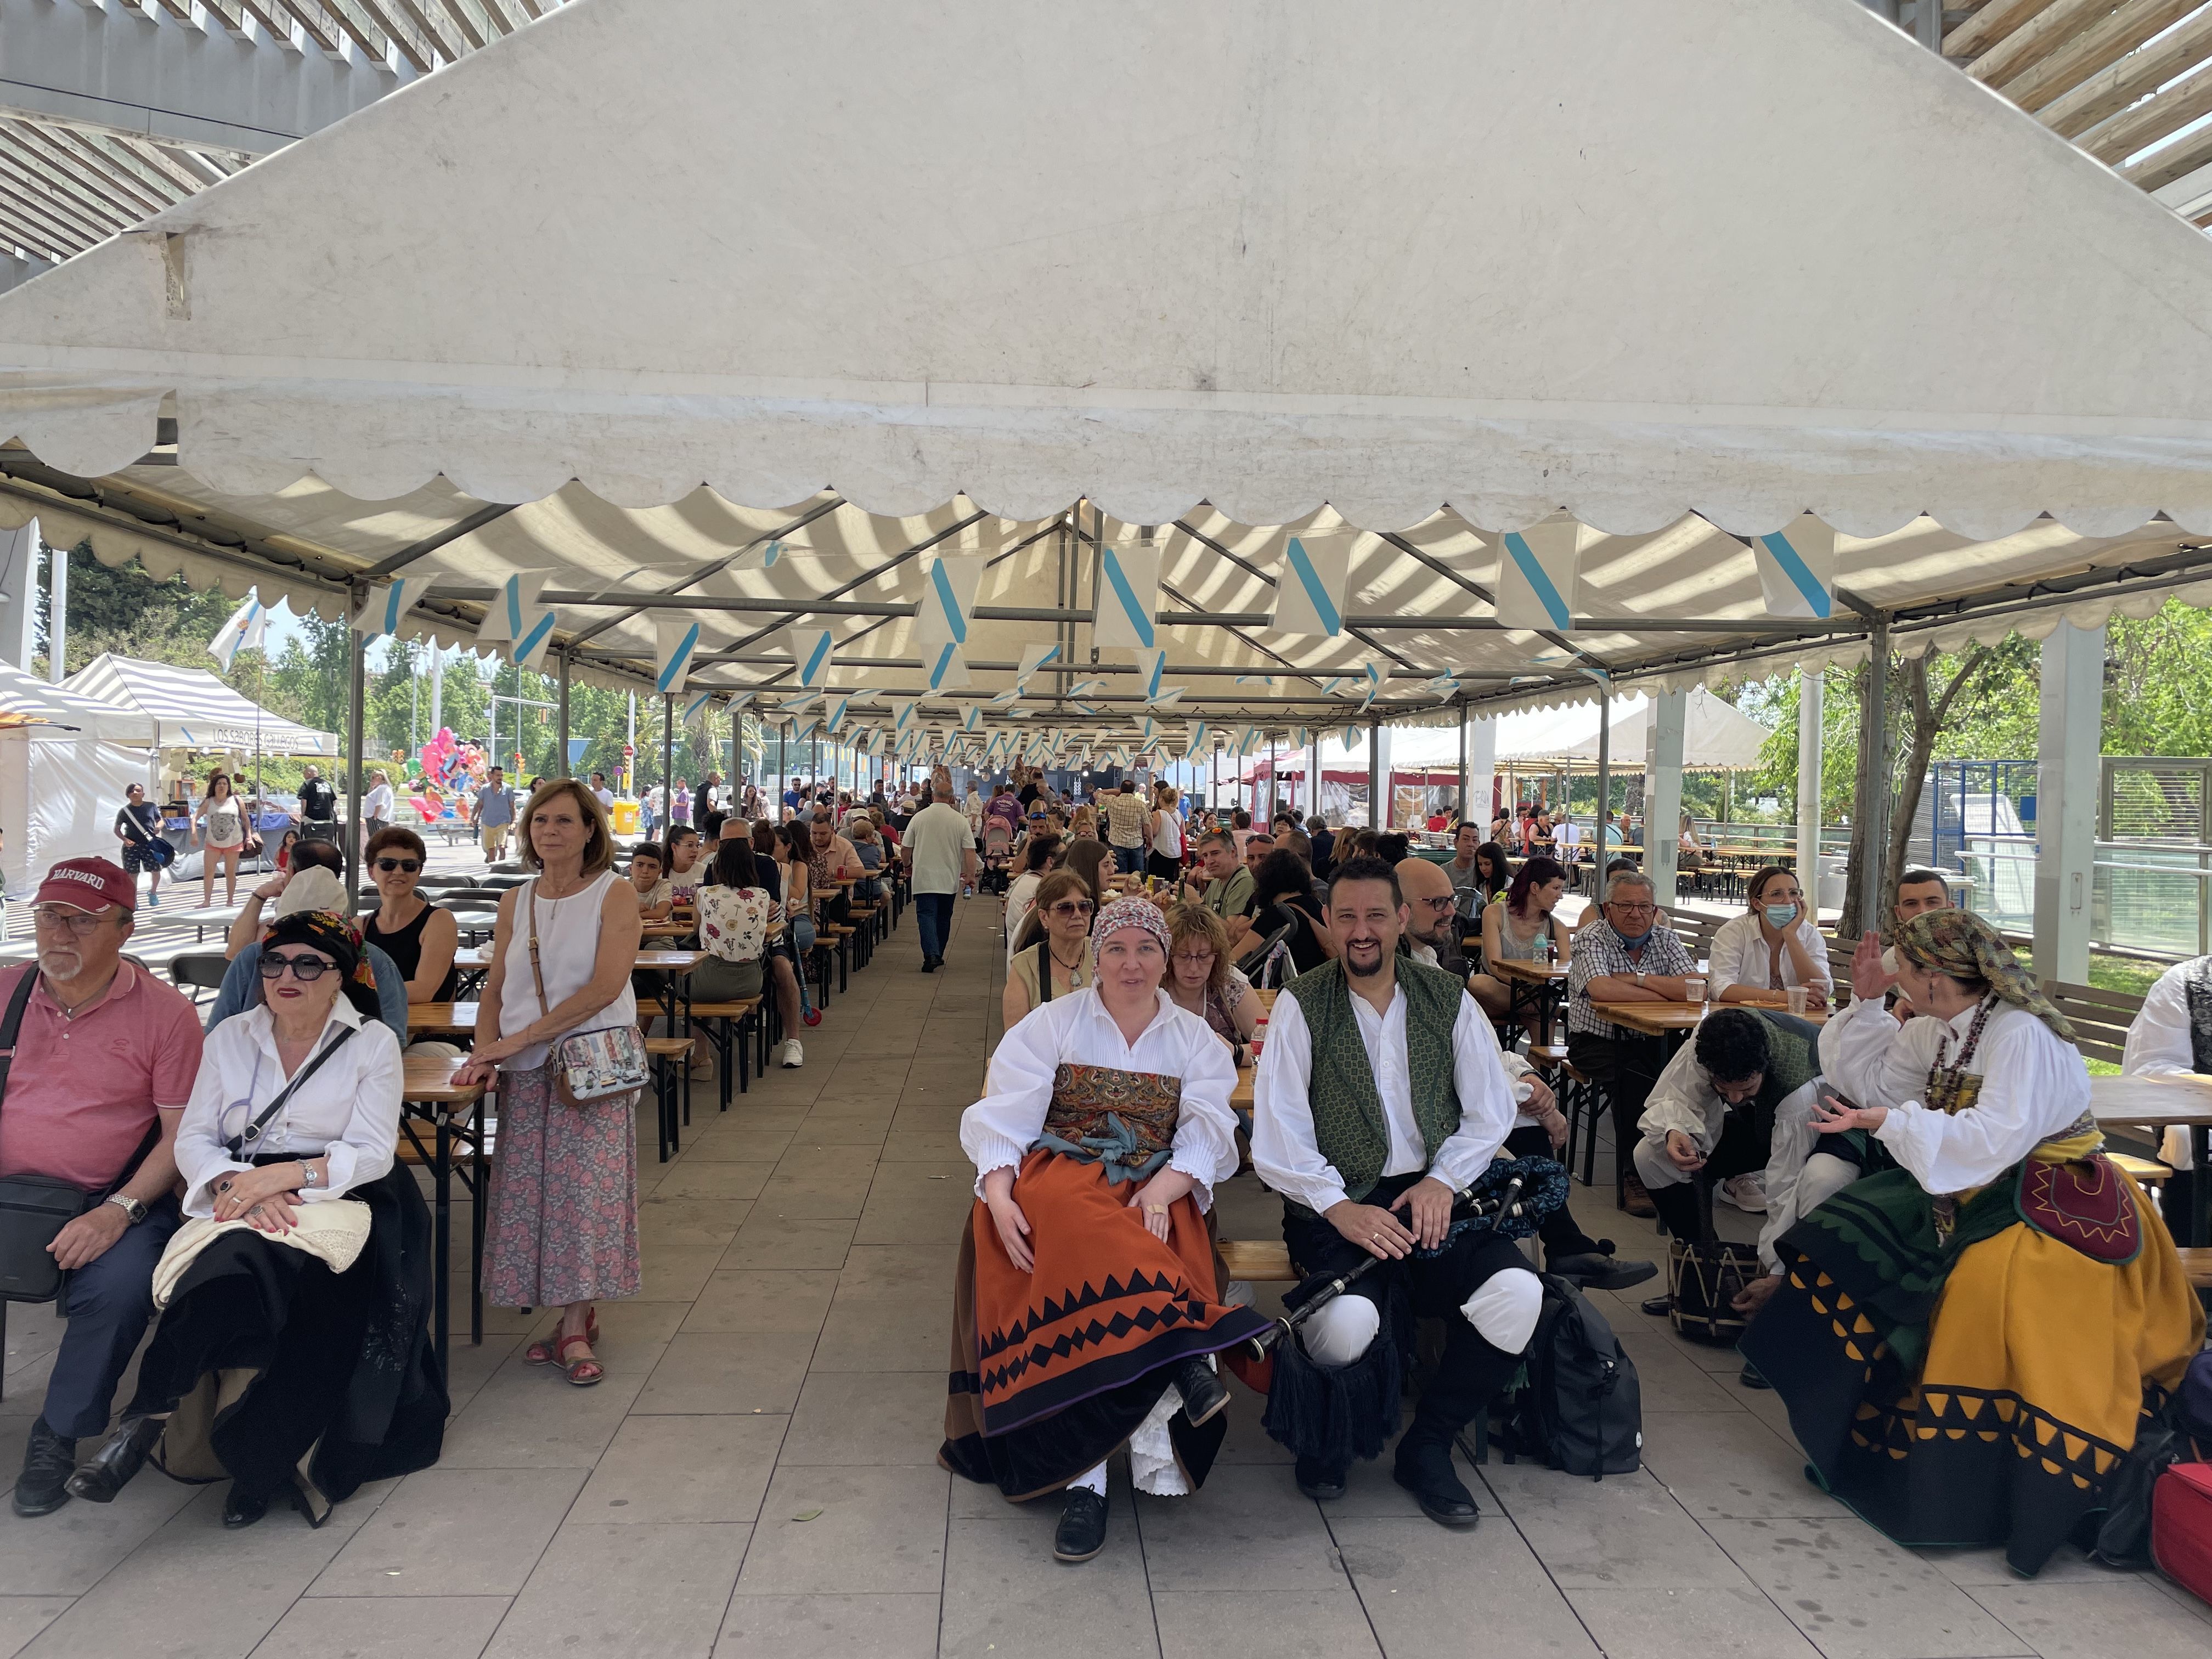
(1342,1332)
(1503,1308)
(1095,1480)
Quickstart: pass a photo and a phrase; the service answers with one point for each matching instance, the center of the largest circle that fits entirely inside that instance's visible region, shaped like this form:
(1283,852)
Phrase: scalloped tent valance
(1718,256)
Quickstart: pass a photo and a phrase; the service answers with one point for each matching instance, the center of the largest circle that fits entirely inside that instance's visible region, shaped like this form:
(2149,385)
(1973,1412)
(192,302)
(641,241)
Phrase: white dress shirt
(1740,956)
(2033,1086)
(2160,1045)
(1285,1148)
(998,1131)
(1685,1100)
(348,1112)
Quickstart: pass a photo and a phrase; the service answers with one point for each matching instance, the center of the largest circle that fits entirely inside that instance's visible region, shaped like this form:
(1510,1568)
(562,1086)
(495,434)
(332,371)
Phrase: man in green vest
(1381,1095)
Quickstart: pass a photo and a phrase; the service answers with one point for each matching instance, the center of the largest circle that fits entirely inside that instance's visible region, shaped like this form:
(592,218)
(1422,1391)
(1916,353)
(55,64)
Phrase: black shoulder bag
(239,1145)
(34,1208)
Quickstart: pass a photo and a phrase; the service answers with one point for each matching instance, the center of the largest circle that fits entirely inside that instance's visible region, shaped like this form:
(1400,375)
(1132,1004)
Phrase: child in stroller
(998,854)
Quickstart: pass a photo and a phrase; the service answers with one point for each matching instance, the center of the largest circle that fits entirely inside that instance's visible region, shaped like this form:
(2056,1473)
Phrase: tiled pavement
(757,1476)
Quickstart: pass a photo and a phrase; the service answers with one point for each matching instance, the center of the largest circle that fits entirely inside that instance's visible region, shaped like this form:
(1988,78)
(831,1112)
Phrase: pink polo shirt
(83,1089)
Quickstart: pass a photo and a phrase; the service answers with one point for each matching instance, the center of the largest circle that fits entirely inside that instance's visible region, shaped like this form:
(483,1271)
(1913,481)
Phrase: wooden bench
(671,1059)
(2100,1019)
(2197,1263)
(1257,1260)
(725,1024)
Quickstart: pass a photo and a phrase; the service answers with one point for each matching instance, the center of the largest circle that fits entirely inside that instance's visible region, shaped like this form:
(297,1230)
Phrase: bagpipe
(1340,1412)
(1512,1197)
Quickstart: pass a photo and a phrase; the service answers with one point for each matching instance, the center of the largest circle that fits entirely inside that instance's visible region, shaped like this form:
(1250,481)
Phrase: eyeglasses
(1201,959)
(77,921)
(1628,909)
(1072,907)
(305,968)
(1442,905)
(410,866)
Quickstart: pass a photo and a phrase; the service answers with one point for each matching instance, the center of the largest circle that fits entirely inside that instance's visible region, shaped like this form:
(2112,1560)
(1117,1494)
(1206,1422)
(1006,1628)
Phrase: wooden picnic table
(427,1091)
(1673,1019)
(1530,984)
(2166,1102)
(434,1019)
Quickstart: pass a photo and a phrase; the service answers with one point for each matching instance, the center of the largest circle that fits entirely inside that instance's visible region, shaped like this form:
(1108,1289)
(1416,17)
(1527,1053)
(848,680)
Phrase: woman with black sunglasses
(420,938)
(1052,955)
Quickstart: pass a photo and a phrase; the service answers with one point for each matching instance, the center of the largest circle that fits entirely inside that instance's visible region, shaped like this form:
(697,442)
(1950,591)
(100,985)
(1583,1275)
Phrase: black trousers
(1626,1067)
(1741,1150)
(1474,1368)
(1561,1234)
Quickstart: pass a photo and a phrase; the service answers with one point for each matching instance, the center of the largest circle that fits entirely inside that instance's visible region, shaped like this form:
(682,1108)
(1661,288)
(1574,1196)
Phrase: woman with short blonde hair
(1199,980)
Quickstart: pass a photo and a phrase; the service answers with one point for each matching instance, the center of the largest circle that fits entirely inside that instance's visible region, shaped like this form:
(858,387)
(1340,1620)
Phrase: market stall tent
(65,760)
(192,709)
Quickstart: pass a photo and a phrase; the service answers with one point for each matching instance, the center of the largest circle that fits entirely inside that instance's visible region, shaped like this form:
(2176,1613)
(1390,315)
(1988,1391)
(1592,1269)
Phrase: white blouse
(998,1131)
(2033,1086)
(1021,897)
(1285,1148)
(348,1112)
(2160,1044)
(1741,956)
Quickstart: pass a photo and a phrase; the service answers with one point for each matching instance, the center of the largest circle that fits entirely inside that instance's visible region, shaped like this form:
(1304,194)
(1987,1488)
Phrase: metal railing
(2152,898)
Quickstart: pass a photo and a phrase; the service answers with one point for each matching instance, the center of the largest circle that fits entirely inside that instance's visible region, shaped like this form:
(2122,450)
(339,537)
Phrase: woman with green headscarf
(1965,1338)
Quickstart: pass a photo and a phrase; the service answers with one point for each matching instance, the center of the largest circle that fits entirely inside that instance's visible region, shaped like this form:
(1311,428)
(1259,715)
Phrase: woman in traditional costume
(1966,1341)
(1088,1301)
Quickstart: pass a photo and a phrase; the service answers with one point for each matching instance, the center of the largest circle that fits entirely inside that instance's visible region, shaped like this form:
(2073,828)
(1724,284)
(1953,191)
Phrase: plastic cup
(1797,998)
(1694,991)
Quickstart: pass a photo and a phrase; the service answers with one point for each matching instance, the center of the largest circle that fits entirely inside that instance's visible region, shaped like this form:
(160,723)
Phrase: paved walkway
(757,1476)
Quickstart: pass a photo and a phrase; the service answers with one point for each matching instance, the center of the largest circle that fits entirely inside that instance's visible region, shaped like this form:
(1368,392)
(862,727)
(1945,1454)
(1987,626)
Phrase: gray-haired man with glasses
(105,1058)
(1624,957)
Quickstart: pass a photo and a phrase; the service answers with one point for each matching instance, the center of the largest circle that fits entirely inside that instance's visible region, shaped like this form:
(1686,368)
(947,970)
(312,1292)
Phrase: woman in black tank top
(406,927)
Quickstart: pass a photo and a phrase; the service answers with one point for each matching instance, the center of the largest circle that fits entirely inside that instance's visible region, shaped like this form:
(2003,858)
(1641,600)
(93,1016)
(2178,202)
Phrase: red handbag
(2181,1526)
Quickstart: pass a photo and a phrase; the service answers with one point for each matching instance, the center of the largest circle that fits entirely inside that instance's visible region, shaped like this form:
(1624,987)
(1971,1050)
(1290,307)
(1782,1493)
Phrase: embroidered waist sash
(1124,1119)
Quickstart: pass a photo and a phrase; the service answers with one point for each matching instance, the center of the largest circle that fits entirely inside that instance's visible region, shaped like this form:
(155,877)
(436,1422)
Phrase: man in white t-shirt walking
(940,858)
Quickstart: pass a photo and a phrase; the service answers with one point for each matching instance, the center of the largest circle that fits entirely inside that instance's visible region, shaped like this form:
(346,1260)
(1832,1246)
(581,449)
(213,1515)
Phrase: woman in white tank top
(561,1230)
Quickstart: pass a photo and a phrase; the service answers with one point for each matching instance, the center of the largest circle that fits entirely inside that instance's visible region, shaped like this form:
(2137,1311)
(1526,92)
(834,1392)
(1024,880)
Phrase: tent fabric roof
(68,710)
(191,708)
(1716,737)
(1525,260)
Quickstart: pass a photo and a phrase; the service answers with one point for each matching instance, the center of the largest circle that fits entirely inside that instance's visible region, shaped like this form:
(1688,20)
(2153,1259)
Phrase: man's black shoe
(114,1463)
(1425,1469)
(1658,1306)
(1751,1379)
(1082,1531)
(1203,1395)
(1594,1272)
(1318,1480)
(48,1460)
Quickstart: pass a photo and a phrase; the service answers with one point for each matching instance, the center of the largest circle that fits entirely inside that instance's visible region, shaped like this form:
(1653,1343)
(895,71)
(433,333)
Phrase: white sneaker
(791,1056)
(1746,1192)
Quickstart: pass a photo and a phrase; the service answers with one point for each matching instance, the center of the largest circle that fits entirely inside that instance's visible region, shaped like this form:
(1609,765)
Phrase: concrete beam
(156,76)
(15,271)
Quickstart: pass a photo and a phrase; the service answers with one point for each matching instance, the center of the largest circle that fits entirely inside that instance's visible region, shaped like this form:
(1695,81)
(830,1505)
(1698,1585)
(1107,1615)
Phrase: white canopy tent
(1507,262)
(65,760)
(191,708)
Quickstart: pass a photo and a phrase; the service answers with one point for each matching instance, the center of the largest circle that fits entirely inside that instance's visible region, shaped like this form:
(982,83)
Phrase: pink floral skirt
(563,1222)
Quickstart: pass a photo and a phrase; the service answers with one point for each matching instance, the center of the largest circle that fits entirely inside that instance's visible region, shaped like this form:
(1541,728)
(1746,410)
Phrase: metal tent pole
(357,698)
(561,759)
(1604,778)
(667,763)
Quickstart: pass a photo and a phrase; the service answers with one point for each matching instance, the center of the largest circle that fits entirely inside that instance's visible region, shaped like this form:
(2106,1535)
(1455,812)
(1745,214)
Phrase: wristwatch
(1641,976)
(131,1206)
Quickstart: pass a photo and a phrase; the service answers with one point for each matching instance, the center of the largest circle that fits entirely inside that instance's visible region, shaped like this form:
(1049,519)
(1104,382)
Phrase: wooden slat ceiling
(2129,81)
(63,188)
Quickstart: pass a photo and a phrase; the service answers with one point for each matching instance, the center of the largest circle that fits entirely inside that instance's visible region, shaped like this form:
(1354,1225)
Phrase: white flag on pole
(243,631)
(1309,592)
(514,607)
(386,605)
(1035,657)
(1536,572)
(809,654)
(1128,596)
(948,597)
(1797,568)
(947,671)
(678,638)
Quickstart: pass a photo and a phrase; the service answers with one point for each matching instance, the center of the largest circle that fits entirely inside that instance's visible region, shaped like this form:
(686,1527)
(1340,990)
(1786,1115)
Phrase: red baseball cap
(88,885)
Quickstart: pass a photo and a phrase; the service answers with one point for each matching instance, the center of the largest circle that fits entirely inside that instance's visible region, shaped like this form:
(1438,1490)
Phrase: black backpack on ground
(1579,1407)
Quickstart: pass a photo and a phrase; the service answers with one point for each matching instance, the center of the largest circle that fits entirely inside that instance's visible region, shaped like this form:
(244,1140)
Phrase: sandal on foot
(581,1373)
(546,1350)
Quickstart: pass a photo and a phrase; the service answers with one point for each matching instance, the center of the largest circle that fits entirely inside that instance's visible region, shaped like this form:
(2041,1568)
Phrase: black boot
(1203,1395)
(1320,1480)
(1082,1531)
(1425,1469)
(48,1458)
(114,1463)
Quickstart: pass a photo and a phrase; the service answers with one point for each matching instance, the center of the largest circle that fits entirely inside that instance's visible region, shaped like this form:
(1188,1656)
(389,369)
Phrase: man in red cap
(105,1059)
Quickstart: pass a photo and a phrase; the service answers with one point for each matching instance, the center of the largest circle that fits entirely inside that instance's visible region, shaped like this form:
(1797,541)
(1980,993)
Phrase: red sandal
(581,1373)
(546,1350)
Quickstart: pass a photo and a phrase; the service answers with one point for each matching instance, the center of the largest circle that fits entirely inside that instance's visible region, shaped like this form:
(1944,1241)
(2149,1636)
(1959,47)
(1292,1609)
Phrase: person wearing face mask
(1760,956)
(1380,1096)
(1626,956)
(1966,1341)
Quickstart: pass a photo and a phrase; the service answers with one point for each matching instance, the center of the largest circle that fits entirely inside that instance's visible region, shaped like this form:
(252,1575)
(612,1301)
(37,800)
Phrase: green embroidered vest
(1793,1060)
(1347,1110)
